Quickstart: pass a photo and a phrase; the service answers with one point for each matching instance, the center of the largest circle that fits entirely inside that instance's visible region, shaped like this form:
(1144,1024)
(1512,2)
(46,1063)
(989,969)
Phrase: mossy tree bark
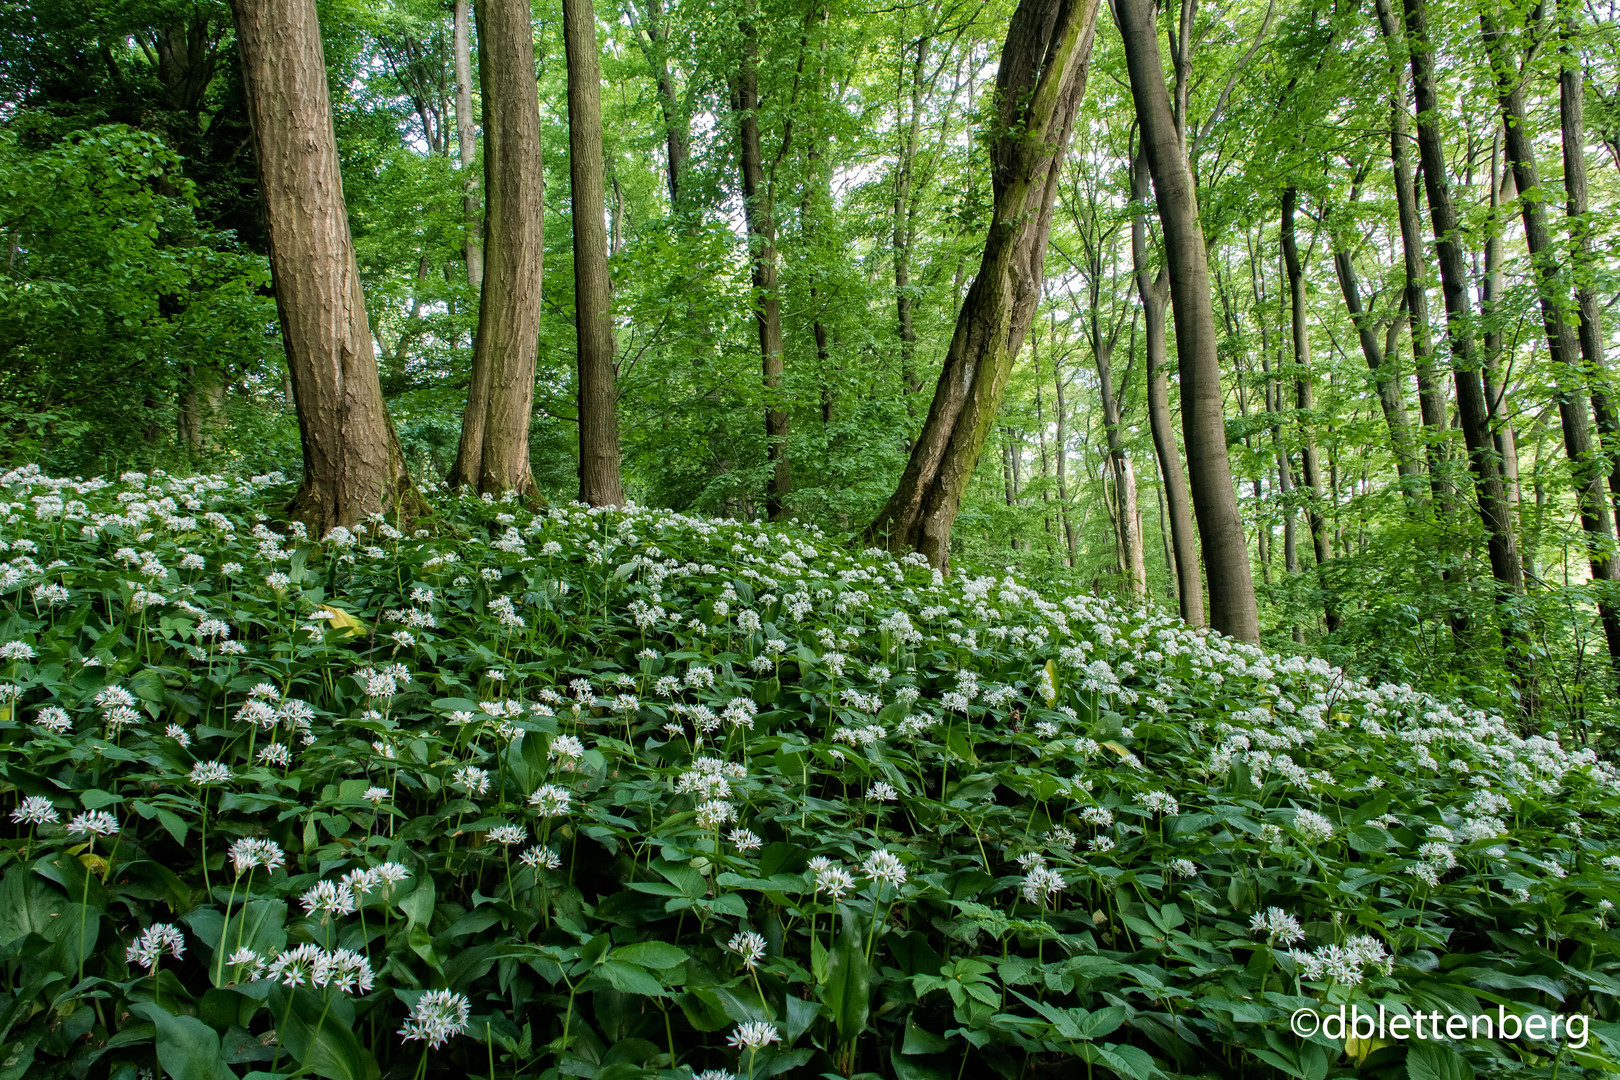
(353,466)
(1039,84)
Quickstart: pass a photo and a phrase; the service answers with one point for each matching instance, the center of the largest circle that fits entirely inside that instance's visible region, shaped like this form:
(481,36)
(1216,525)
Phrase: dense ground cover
(603,793)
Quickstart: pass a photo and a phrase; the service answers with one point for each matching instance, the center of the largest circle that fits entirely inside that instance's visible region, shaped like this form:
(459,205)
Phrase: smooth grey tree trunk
(1232,606)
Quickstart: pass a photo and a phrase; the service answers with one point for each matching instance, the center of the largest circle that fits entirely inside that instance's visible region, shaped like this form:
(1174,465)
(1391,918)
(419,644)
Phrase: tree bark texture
(353,466)
(1232,606)
(905,230)
(599,483)
(1039,84)
(494,452)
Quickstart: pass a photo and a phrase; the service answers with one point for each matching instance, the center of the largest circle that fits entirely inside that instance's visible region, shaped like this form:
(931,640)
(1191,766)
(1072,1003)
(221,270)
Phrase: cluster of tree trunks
(353,465)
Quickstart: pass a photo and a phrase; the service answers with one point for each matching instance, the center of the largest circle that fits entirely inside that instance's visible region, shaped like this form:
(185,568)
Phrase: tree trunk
(1303,402)
(1431,396)
(1553,289)
(599,483)
(201,419)
(677,127)
(1128,524)
(467,143)
(1169,555)
(1061,452)
(353,466)
(1588,309)
(1493,509)
(1220,527)
(1385,370)
(760,212)
(910,382)
(1154,293)
(1489,299)
(1038,89)
(494,452)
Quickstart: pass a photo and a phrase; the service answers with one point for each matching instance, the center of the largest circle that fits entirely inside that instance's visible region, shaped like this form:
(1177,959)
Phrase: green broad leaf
(1432,1061)
(1368,838)
(818,961)
(683,877)
(656,955)
(1501,980)
(187,1048)
(920,1041)
(1101,1022)
(172,823)
(27,906)
(417,904)
(779,883)
(629,979)
(320,1039)
(1128,1061)
(847,992)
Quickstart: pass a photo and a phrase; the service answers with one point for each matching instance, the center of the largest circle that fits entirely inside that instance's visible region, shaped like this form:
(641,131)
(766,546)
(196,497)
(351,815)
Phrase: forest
(1377,427)
(965,529)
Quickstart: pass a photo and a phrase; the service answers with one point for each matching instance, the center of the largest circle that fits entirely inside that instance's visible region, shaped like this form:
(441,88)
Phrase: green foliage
(635,794)
(114,301)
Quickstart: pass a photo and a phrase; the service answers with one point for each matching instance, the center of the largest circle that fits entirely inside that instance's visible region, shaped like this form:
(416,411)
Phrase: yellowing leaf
(1359,1049)
(95,864)
(1118,749)
(342,620)
(1049,687)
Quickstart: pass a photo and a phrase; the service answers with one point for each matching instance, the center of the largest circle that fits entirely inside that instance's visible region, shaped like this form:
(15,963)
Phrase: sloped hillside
(624,794)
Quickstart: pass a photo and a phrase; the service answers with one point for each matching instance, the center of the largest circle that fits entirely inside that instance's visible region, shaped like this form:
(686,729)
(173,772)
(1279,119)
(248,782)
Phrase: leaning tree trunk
(353,466)
(1038,89)
(1553,289)
(599,483)
(1154,293)
(760,211)
(1300,336)
(1220,527)
(494,452)
(1494,511)
(467,144)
